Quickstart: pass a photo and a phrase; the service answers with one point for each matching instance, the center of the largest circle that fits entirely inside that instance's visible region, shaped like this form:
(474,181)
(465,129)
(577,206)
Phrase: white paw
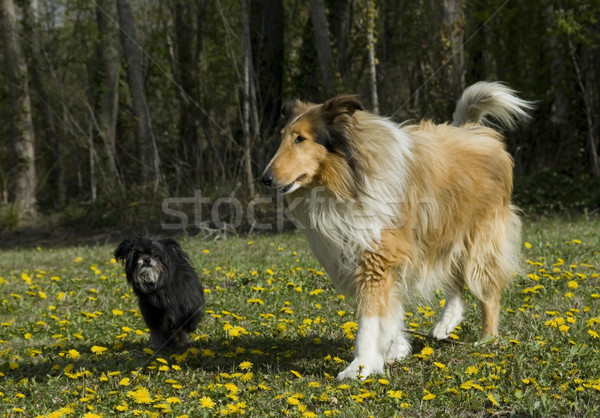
(398,350)
(442,330)
(360,369)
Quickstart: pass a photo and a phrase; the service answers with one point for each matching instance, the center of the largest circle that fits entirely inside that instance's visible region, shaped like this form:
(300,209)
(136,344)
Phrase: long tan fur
(393,212)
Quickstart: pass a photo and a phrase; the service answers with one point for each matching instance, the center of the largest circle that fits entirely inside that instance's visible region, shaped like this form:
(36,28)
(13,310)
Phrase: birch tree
(22,129)
(246,107)
(371,49)
(110,66)
(323,44)
(133,56)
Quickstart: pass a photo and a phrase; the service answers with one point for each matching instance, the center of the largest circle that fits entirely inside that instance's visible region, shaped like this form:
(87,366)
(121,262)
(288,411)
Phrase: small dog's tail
(485,99)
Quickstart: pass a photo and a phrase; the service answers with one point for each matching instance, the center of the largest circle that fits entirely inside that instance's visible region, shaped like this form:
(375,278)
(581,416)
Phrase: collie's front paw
(360,369)
(442,330)
(399,349)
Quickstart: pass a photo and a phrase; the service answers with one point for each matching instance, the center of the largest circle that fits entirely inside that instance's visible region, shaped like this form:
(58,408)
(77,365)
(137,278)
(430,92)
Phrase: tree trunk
(452,34)
(92,161)
(110,66)
(558,120)
(371,48)
(266,25)
(45,124)
(585,86)
(246,107)
(22,123)
(185,71)
(149,152)
(340,21)
(323,45)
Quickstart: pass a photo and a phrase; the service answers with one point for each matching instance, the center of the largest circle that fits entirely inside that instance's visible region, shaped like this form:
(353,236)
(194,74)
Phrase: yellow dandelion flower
(295,373)
(117,312)
(73,354)
(427,351)
(207,352)
(122,407)
(527,245)
(206,402)
(395,394)
(428,395)
(246,365)
(96,349)
(593,333)
(256,301)
(140,395)
(472,370)
(124,382)
(232,388)
(492,399)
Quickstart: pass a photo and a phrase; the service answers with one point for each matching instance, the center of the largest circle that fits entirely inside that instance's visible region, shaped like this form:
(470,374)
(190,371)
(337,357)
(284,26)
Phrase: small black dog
(169,293)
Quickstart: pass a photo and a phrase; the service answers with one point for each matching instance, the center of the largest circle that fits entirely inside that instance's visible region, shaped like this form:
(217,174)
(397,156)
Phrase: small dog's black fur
(169,293)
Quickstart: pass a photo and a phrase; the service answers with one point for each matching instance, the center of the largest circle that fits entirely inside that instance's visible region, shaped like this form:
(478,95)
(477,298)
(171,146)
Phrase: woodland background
(110,106)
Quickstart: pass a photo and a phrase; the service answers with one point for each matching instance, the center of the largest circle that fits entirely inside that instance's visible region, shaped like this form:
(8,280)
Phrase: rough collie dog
(395,211)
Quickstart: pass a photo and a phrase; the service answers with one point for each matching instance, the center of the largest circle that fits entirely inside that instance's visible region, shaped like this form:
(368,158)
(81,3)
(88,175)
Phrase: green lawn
(276,333)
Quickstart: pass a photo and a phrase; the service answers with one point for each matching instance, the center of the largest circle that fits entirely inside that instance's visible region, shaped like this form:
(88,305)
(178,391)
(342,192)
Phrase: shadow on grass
(269,355)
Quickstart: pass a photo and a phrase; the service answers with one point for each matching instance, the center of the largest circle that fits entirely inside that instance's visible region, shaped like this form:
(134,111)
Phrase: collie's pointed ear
(341,105)
(123,250)
(290,108)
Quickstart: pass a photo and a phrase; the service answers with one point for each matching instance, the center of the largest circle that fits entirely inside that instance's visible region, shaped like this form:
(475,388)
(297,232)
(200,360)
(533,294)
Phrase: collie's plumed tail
(485,99)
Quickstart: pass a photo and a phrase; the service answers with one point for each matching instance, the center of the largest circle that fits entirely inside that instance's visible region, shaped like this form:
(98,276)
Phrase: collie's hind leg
(494,258)
(486,282)
(490,313)
(452,314)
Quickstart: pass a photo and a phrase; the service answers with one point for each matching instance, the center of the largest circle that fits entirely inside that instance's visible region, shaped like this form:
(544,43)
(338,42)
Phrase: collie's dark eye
(299,139)
(155,255)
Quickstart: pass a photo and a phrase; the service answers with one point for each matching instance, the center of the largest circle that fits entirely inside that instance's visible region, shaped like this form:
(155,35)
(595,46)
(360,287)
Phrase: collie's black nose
(267,178)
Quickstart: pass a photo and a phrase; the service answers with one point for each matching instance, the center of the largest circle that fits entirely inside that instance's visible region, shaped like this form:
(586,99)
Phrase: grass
(276,333)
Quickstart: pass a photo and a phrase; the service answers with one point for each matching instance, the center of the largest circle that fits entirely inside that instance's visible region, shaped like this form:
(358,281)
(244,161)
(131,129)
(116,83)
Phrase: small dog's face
(147,262)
